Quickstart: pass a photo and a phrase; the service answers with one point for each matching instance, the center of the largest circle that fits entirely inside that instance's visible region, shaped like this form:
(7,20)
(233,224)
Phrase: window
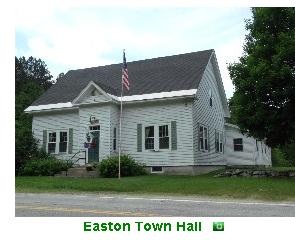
(149,137)
(115,139)
(94,128)
(157,169)
(203,138)
(163,137)
(218,142)
(63,141)
(57,142)
(238,144)
(51,142)
(210,97)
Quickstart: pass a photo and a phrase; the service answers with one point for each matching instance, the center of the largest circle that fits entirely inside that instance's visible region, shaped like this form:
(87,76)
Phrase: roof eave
(191,93)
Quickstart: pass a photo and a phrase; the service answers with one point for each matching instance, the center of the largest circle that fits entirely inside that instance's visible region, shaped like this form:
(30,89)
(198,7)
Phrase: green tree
(31,70)
(59,76)
(32,78)
(263,104)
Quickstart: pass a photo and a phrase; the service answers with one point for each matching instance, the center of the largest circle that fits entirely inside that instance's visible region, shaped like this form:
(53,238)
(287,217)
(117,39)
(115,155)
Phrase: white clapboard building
(173,116)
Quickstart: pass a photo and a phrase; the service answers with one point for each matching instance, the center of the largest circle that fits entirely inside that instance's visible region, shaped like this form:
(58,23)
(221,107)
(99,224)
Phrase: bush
(109,167)
(283,156)
(47,166)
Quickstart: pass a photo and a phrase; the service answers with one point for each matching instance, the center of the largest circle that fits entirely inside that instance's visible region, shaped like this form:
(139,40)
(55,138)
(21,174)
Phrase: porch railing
(80,158)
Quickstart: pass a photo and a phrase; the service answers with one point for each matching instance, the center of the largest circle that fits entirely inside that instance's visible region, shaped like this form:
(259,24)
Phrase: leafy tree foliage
(59,76)
(31,70)
(32,78)
(263,104)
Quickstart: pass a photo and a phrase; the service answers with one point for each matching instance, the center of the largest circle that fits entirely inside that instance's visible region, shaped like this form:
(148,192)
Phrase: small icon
(218,226)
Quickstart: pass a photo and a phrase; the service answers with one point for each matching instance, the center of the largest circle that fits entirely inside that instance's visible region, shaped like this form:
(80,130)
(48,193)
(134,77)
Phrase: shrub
(109,167)
(47,166)
(283,156)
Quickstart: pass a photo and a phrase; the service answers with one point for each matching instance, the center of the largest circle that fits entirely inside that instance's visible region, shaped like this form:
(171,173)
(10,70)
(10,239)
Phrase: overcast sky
(73,38)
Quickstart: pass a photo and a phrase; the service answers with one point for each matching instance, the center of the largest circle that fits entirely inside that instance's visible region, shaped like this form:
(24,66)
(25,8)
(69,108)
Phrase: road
(119,205)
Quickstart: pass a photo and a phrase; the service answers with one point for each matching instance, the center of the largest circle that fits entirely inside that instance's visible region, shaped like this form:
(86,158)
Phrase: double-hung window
(157,137)
(51,142)
(218,142)
(163,137)
(149,137)
(63,141)
(57,142)
(203,138)
(238,144)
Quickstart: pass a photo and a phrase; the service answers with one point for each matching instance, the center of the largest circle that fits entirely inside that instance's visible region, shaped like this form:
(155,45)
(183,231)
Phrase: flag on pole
(125,80)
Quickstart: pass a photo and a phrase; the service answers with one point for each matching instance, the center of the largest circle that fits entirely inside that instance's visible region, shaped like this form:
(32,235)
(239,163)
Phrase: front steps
(79,172)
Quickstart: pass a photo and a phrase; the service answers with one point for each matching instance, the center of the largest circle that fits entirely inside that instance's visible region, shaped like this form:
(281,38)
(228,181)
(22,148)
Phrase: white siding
(102,113)
(159,113)
(252,154)
(62,120)
(213,117)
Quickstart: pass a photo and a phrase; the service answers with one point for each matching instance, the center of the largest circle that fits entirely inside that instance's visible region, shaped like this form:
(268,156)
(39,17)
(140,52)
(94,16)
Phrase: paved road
(119,205)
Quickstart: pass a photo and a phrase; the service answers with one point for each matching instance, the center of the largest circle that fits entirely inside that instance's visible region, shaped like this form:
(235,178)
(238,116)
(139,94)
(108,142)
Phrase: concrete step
(78,172)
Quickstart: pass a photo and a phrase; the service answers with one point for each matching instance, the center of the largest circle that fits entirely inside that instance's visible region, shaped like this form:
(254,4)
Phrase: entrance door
(93,152)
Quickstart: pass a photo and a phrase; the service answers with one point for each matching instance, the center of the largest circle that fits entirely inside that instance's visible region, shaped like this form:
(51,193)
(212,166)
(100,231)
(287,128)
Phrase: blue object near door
(93,151)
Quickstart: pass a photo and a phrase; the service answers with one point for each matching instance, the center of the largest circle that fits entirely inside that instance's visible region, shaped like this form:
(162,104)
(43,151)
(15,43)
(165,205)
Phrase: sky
(79,37)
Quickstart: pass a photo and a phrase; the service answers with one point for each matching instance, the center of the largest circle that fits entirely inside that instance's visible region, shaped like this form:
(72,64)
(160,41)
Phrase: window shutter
(44,140)
(216,141)
(70,150)
(173,135)
(208,131)
(198,135)
(223,142)
(139,137)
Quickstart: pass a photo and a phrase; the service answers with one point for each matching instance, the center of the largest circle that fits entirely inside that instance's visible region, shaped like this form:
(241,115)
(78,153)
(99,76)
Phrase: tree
(32,78)
(31,69)
(263,104)
(59,76)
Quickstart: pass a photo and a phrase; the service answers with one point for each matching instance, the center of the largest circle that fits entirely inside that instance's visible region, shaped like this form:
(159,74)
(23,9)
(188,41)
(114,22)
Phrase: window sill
(59,153)
(205,151)
(160,150)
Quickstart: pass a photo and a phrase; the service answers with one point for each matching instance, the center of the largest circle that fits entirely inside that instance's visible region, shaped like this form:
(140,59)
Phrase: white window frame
(156,137)
(57,141)
(242,144)
(157,171)
(168,135)
(144,137)
(204,137)
(48,142)
(60,141)
(219,141)
(210,98)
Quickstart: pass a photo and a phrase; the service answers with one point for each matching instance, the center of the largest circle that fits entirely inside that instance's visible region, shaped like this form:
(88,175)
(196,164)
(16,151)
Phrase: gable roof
(163,74)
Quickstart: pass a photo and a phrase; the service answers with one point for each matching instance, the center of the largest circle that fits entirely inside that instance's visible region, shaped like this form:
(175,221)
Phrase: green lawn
(204,185)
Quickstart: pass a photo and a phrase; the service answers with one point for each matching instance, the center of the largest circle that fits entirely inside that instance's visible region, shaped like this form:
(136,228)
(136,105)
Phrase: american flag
(125,81)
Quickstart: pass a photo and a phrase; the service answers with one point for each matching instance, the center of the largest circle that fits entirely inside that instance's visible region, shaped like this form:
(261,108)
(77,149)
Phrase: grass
(283,168)
(203,185)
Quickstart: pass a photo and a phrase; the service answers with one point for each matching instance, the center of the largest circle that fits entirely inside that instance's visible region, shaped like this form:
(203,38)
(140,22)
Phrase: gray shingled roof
(163,74)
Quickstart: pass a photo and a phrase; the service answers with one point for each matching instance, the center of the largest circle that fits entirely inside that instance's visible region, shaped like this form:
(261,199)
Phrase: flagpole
(119,174)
